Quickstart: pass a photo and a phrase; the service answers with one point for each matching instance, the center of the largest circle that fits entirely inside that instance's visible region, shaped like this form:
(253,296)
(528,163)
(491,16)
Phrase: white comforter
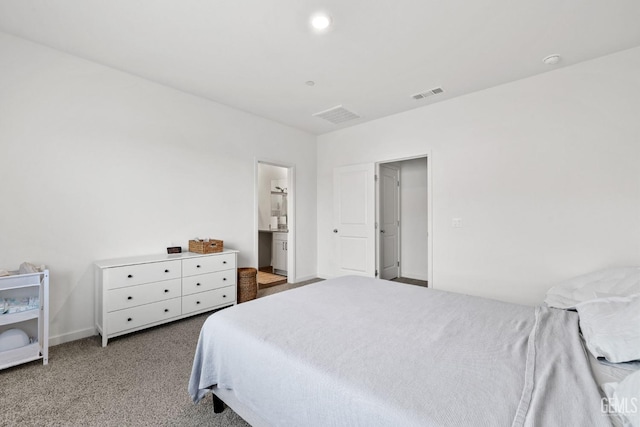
(355,351)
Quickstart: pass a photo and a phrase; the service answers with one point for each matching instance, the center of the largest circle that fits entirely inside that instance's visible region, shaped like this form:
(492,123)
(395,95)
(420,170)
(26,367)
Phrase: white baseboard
(72,336)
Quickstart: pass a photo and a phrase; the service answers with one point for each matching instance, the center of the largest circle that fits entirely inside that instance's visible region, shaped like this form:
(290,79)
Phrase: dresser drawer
(210,299)
(208,264)
(208,282)
(118,299)
(119,277)
(135,317)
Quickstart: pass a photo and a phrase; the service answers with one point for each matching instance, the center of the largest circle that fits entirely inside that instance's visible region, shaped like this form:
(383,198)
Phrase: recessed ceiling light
(551,59)
(320,21)
(310,83)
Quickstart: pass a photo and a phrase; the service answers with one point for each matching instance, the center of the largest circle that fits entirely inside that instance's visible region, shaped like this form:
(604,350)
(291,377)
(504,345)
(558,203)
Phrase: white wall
(97,164)
(543,172)
(414,255)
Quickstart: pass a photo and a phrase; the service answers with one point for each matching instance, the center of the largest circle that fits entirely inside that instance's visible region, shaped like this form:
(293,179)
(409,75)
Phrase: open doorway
(402,242)
(274,203)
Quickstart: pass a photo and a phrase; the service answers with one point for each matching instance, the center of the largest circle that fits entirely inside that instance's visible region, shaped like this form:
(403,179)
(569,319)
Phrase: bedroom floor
(263,292)
(411,281)
(139,379)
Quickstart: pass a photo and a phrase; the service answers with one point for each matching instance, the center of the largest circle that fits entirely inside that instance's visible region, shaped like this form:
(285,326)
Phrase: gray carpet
(285,286)
(409,281)
(139,379)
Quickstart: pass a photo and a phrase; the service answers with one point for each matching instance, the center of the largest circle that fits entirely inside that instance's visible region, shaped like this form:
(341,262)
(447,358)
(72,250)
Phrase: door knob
(382,231)
(335,230)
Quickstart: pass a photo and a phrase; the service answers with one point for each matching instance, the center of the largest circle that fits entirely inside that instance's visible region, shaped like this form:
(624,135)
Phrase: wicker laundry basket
(247,284)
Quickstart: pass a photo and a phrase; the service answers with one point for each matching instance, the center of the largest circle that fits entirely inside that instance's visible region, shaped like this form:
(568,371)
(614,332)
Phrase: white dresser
(139,292)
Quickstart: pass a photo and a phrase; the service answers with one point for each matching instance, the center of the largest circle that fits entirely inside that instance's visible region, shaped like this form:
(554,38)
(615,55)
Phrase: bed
(357,351)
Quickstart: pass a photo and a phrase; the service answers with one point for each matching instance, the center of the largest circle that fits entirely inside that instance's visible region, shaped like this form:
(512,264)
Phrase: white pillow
(623,399)
(622,281)
(611,327)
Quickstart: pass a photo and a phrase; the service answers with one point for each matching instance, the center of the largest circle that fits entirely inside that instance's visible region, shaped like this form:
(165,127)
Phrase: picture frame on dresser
(136,293)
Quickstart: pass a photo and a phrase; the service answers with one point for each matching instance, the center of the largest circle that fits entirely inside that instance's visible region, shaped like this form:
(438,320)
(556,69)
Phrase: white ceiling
(256,55)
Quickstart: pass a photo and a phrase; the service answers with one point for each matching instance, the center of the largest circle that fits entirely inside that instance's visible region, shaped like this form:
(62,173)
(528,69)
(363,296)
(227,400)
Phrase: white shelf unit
(136,293)
(34,322)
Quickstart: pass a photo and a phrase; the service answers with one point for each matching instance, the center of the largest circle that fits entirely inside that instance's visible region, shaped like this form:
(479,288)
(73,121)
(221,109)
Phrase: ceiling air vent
(337,114)
(431,92)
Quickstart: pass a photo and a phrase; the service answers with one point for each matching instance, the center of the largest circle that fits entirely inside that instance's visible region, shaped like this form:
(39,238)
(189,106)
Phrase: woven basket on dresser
(247,284)
(209,247)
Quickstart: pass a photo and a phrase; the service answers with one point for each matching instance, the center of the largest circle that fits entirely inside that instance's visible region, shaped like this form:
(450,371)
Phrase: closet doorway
(274,223)
(402,238)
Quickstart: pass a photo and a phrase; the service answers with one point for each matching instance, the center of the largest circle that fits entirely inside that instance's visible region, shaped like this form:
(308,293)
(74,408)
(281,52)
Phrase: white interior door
(389,222)
(354,219)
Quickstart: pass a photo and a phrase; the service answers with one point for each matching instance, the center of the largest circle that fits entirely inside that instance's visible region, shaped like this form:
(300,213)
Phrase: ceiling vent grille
(430,92)
(337,114)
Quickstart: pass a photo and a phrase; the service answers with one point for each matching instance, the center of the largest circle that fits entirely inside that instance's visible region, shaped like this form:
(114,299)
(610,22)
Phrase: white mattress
(363,352)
